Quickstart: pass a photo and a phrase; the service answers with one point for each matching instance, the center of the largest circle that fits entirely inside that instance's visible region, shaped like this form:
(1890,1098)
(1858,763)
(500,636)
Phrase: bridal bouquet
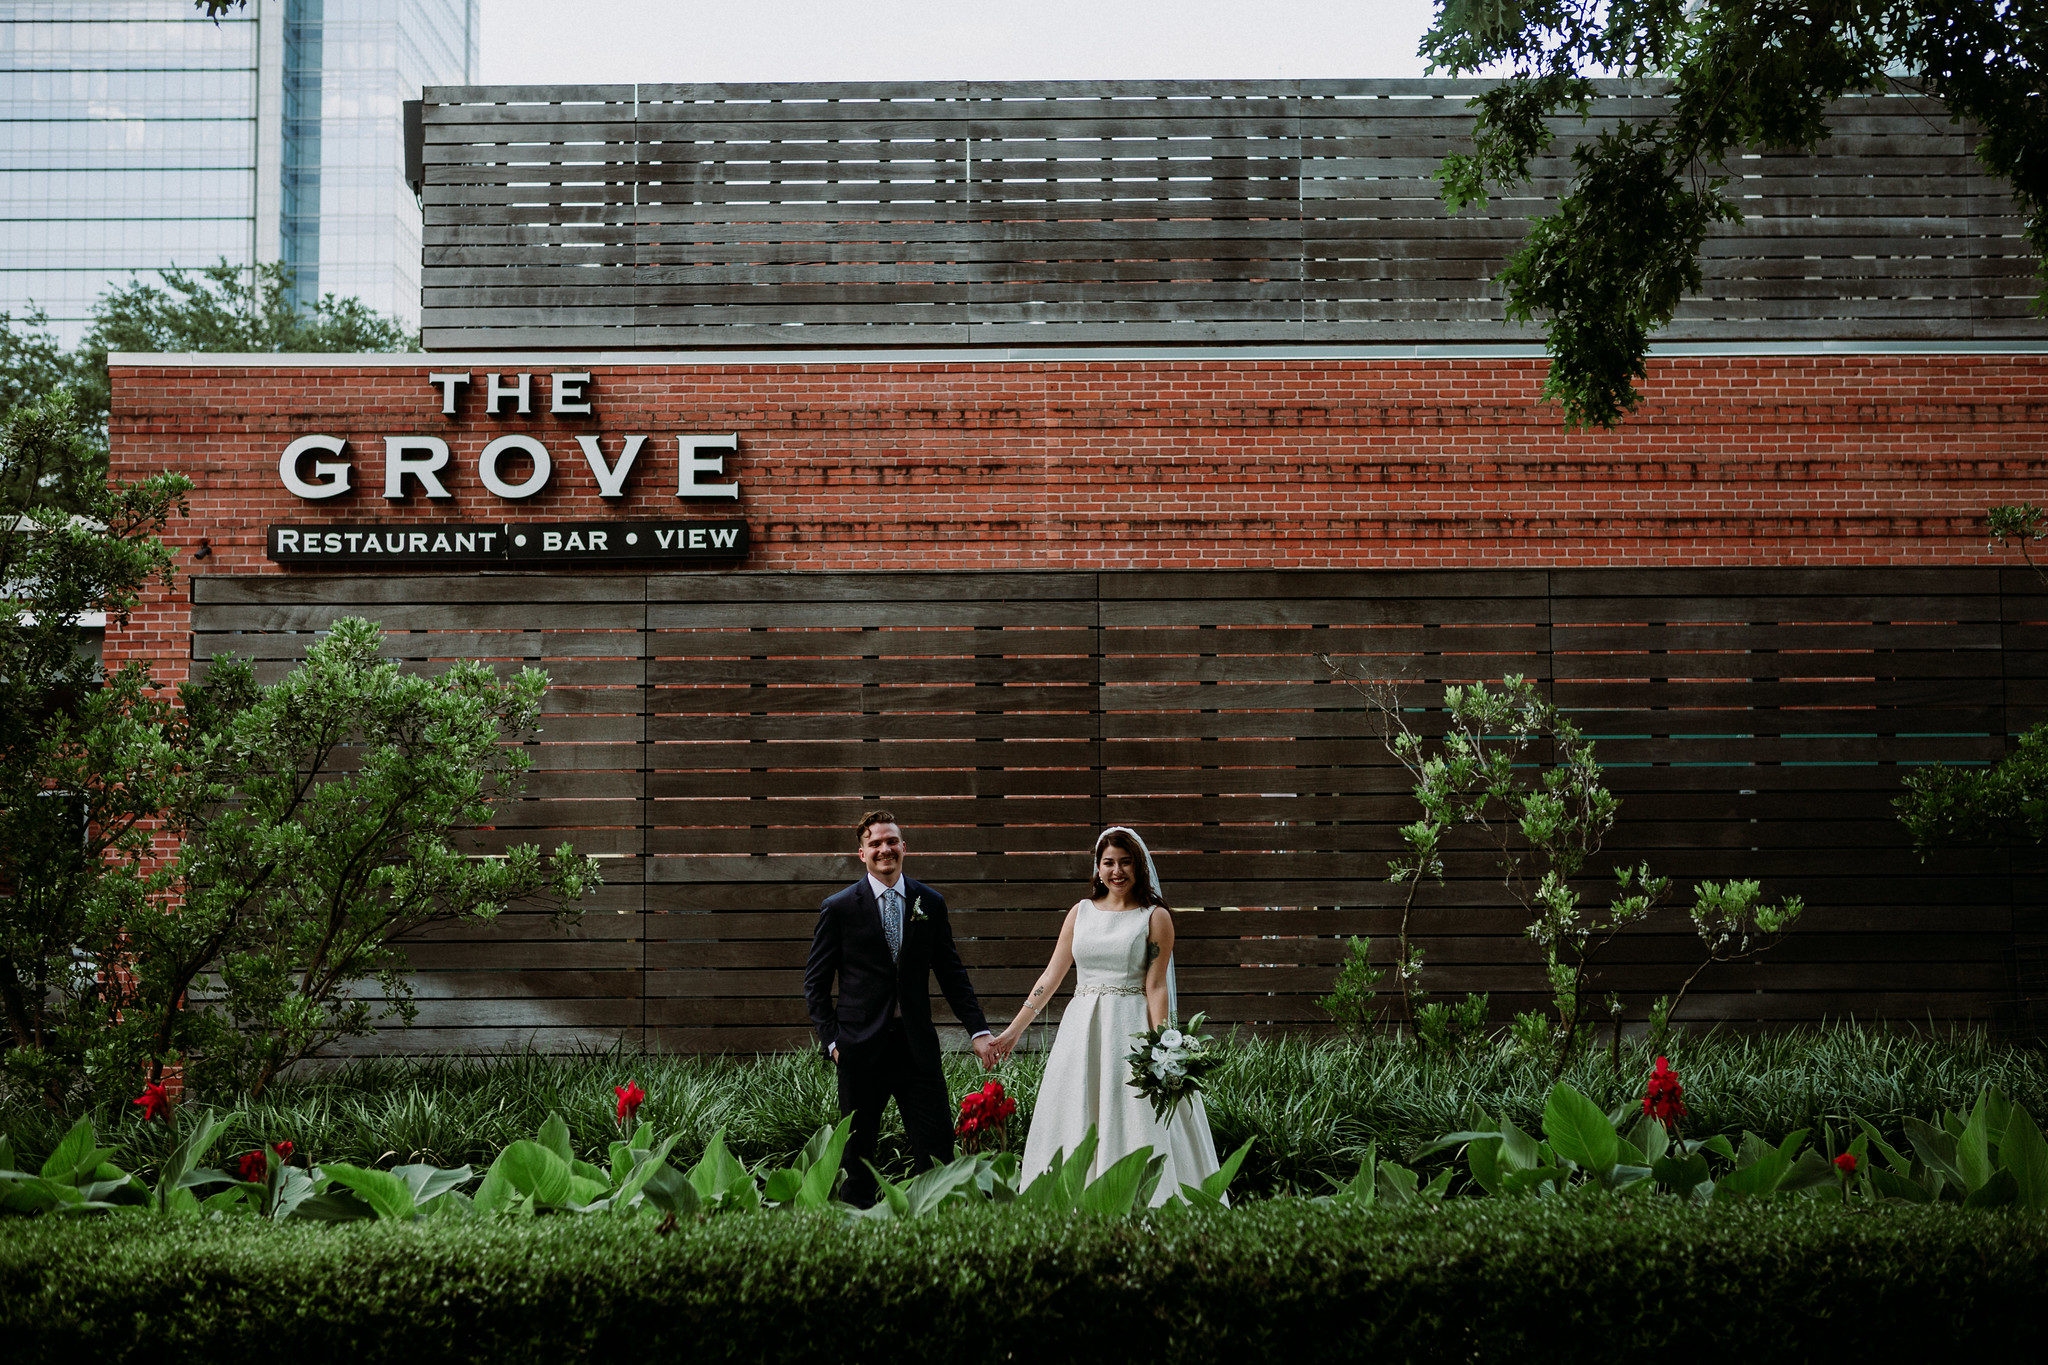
(1169,1062)
(984,1118)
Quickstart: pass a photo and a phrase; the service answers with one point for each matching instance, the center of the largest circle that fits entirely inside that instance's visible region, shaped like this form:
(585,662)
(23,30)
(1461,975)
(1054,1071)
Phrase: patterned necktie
(892,921)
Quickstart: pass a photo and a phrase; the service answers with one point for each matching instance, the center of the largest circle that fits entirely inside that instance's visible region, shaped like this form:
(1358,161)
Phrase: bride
(1121,939)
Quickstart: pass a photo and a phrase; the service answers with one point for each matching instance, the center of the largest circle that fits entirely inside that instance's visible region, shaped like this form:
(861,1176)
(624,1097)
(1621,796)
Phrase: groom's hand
(985,1048)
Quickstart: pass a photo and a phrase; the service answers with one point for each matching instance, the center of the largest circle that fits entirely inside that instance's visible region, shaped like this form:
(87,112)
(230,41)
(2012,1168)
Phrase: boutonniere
(917,914)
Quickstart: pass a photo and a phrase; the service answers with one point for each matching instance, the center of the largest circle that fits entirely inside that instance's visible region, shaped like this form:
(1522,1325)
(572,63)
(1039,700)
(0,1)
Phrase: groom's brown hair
(872,818)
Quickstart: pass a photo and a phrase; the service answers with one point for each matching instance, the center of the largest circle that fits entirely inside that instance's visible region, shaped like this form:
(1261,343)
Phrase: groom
(881,938)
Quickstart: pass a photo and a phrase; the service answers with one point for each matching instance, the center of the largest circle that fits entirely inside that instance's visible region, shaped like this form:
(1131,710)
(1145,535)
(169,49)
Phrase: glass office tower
(136,134)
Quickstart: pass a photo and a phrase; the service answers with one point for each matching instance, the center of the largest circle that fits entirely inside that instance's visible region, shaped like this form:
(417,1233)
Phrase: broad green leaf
(1517,1149)
(1936,1150)
(1535,1178)
(1396,1183)
(782,1187)
(7,1156)
(1115,1192)
(75,1158)
(584,1192)
(294,1187)
(1719,1145)
(648,1162)
(554,1135)
(334,1206)
(1973,1147)
(531,1170)
(1892,1185)
(453,1204)
(237,1199)
(669,1190)
(1577,1131)
(621,1157)
(178,1165)
(1073,1176)
(1682,1175)
(1217,1183)
(1760,1177)
(1483,1158)
(815,1149)
(1810,1171)
(2001,1189)
(33,1194)
(940,1185)
(892,1196)
(1997,1113)
(429,1183)
(390,1196)
(718,1175)
(2025,1153)
(1894,1158)
(1651,1138)
(821,1170)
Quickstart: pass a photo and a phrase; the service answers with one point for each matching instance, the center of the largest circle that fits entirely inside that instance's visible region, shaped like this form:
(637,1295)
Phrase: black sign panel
(522,544)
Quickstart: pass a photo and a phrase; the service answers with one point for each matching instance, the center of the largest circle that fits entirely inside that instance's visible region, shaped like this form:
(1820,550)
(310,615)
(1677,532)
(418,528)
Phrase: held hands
(985,1047)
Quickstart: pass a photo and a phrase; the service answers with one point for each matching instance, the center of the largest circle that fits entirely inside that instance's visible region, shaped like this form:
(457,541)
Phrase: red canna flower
(631,1097)
(982,1115)
(283,1150)
(1664,1100)
(252,1167)
(156,1104)
(1846,1164)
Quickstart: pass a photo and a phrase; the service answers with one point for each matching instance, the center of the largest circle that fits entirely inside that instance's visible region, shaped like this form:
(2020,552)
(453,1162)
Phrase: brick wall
(1795,461)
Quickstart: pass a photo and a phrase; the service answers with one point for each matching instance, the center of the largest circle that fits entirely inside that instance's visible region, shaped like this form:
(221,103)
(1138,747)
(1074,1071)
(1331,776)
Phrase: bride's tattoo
(1151,951)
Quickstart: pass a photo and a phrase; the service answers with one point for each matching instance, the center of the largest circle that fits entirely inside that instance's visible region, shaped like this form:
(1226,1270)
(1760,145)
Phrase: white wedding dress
(1087,1078)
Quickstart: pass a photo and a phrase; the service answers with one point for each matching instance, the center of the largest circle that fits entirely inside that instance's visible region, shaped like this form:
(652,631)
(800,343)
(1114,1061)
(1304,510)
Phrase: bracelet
(1029,1006)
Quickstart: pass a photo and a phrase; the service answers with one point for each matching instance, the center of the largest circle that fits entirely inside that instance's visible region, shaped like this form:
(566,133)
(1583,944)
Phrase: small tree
(83,759)
(1543,833)
(319,823)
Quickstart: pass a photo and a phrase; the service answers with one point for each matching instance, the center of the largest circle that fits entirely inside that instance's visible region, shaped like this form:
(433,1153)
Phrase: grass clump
(1312,1107)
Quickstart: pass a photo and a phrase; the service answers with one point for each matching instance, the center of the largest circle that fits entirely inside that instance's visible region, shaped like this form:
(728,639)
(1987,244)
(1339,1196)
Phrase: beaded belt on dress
(1099,988)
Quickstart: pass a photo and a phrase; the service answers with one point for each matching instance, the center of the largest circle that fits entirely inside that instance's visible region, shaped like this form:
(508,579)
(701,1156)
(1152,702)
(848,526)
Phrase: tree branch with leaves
(1610,264)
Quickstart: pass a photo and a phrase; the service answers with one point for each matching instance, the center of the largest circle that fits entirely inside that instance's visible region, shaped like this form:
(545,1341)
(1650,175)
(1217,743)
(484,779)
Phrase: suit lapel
(871,909)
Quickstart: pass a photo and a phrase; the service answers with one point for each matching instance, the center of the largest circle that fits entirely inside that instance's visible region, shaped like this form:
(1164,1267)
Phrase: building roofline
(1010,355)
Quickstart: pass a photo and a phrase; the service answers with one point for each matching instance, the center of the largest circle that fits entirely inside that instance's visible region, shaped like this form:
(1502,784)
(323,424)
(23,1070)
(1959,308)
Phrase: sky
(544,42)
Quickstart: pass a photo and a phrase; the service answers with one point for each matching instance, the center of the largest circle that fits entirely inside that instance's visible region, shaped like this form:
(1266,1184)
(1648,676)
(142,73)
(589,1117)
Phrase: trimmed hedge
(1527,1280)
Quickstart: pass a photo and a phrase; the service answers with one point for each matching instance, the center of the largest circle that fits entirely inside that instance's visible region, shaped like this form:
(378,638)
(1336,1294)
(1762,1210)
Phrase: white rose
(1161,1070)
(1170,1038)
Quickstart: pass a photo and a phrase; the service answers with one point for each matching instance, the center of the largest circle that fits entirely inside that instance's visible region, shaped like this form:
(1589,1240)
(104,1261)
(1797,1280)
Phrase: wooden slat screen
(1132,212)
(713,737)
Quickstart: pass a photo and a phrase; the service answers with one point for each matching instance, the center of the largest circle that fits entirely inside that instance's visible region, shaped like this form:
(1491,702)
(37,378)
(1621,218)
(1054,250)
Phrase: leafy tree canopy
(224,307)
(1610,264)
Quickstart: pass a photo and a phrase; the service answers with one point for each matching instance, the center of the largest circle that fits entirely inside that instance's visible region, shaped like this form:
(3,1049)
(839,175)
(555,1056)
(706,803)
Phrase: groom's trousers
(869,1073)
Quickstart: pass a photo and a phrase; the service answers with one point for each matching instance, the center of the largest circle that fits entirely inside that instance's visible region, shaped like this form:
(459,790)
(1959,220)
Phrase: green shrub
(1598,1278)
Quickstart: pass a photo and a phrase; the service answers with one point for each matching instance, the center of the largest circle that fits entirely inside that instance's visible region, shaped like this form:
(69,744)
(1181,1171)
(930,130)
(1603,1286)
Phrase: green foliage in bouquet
(1169,1062)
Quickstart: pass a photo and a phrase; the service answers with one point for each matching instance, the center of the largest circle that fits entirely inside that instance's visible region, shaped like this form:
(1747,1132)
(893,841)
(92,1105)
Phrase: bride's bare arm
(1159,950)
(1049,981)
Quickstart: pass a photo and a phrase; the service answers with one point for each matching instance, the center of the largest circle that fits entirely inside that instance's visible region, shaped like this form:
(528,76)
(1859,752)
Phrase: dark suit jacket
(849,946)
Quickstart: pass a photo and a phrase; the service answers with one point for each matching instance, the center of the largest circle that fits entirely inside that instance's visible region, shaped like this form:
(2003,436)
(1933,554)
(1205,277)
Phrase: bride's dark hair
(1144,893)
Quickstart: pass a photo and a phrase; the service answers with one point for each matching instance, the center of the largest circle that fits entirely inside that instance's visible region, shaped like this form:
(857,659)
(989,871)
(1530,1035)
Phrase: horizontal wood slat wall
(1133,212)
(712,738)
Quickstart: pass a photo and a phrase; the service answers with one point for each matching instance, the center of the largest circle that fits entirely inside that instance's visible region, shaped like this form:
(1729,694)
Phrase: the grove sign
(514,466)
